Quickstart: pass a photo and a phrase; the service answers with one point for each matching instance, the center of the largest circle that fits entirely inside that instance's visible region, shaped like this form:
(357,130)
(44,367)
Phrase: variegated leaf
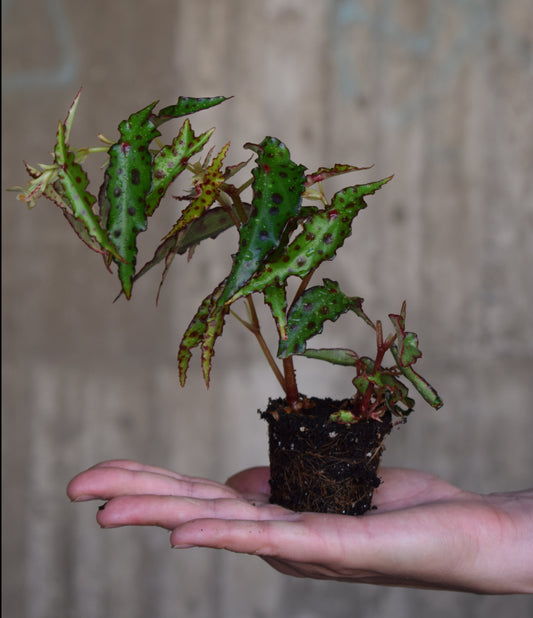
(323,234)
(71,187)
(307,315)
(278,186)
(128,182)
(171,160)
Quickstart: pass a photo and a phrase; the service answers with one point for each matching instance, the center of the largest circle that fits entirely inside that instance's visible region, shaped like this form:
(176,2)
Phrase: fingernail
(182,546)
(83,498)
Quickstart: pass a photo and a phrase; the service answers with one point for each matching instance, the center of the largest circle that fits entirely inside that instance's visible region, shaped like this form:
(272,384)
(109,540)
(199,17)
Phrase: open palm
(423,531)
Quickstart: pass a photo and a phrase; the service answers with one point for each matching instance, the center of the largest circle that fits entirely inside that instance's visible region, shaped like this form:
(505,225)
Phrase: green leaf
(343,416)
(278,186)
(276,298)
(409,351)
(324,173)
(212,178)
(186,106)
(308,314)
(204,329)
(425,389)
(336,356)
(70,115)
(212,223)
(323,233)
(171,160)
(214,326)
(193,337)
(76,201)
(128,179)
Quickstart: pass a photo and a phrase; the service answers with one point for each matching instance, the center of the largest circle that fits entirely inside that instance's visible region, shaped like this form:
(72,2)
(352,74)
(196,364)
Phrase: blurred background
(437,93)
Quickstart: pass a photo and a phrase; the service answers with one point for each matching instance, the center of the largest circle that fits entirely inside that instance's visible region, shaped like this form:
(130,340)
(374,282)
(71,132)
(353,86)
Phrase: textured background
(438,93)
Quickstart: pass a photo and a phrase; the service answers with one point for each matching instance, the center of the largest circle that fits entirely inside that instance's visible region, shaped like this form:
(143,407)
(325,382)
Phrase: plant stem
(291,390)
(256,331)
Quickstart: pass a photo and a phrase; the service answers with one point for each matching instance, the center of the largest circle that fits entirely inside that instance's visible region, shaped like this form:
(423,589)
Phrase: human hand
(424,532)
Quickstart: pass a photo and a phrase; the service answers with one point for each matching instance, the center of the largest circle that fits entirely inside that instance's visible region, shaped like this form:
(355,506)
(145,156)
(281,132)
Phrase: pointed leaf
(171,160)
(72,182)
(308,314)
(128,181)
(214,326)
(278,186)
(204,329)
(186,106)
(212,223)
(422,386)
(323,233)
(323,173)
(276,298)
(208,191)
(70,115)
(409,351)
(193,337)
(336,356)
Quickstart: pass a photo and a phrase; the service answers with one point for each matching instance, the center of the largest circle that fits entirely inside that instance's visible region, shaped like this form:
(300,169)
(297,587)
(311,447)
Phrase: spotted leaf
(202,332)
(186,106)
(323,173)
(208,188)
(171,160)
(214,326)
(323,233)
(70,193)
(307,315)
(277,195)
(193,337)
(128,180)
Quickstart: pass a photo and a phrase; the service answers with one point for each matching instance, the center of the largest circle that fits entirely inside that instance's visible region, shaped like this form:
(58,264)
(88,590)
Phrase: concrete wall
(438,93)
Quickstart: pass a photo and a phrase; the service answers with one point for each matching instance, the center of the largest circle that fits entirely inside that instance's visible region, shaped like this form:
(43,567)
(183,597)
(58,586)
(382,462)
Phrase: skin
(424,533)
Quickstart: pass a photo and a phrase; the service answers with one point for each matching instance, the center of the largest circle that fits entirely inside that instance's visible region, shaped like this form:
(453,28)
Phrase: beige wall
(438,93)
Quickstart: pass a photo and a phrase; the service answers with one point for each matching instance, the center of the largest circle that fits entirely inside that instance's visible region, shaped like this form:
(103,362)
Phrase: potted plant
(324,454)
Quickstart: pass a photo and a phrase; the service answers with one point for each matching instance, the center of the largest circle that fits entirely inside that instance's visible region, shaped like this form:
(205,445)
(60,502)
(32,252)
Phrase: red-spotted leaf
(323,234)
(208,188)
(128,180)
(307,315)
(171,160)
(204,329)
(70,193)
(186,106)
(214,326)
(192,338)
(277,194)
(324,173)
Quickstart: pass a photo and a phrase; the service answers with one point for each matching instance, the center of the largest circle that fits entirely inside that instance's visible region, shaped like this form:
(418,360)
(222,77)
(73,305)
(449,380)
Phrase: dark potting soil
(320,465)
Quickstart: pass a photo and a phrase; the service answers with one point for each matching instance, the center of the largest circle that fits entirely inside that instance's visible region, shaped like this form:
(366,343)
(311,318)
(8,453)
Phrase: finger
(109,482)
(251,481)
(135,466)
(284,538)
(170,512)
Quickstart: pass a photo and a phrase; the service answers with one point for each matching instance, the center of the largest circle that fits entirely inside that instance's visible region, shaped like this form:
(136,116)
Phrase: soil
(321,465)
